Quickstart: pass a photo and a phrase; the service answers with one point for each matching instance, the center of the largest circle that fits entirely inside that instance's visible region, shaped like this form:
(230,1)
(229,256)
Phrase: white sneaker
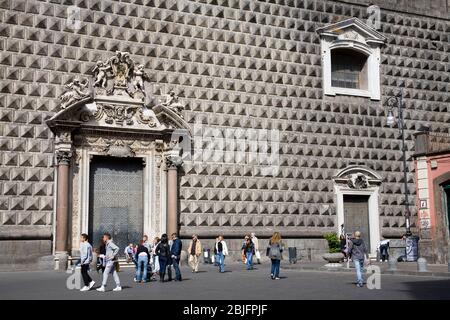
(85,288)
(91,284)
(101,289)
(118,288)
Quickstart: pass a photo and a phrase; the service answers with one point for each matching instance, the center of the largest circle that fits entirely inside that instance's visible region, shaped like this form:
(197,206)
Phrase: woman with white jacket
(222,252)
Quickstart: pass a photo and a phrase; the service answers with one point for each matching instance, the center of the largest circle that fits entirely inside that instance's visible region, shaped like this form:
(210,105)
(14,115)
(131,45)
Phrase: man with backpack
(358,253)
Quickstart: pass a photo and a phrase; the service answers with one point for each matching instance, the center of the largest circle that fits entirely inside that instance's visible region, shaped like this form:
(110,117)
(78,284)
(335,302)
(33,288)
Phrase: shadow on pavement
(431,289)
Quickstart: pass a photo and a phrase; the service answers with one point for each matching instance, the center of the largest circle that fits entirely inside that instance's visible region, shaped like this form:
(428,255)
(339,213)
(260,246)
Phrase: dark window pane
(346,68)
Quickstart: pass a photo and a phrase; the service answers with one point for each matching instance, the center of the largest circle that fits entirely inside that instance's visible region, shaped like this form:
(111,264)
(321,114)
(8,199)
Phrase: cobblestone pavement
(235,284)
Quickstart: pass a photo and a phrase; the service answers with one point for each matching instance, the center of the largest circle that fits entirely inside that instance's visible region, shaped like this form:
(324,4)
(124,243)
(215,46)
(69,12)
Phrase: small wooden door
(356,216)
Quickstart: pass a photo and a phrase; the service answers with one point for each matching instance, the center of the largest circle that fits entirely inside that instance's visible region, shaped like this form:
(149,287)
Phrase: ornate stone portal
(113,120)
(358,180)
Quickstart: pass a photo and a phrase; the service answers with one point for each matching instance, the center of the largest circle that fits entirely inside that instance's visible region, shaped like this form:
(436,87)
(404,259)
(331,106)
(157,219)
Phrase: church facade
(217,117)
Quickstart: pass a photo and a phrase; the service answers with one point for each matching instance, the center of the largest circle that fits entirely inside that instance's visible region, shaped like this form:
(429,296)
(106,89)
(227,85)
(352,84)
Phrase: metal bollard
(392,264)
(422,265)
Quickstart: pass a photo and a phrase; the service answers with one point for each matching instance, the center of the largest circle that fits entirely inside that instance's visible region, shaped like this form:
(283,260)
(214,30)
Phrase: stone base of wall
(26,255)
(307,249)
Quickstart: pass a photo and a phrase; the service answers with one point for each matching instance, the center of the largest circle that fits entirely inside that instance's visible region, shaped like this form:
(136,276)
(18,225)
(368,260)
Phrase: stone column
(62,209)
(173,161)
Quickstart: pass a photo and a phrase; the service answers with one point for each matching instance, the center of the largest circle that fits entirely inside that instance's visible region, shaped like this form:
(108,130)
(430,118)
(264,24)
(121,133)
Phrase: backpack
(274,251)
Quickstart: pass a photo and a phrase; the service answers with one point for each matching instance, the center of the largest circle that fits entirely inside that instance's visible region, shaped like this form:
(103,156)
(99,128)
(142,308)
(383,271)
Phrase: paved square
(236,284)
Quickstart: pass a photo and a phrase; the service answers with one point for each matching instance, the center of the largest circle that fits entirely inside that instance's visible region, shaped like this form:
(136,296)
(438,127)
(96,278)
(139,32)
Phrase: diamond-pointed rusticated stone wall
(239,64)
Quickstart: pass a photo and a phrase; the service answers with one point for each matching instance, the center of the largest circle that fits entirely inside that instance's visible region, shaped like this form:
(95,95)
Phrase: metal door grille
(115,199)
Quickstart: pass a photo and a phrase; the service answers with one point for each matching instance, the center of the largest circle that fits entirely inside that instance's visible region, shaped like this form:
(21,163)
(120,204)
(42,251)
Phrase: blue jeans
(216,260)
(135,264)
(275,270)
(162,264)
(359,266)
(176,266)
(249,257)
(221,261)
(142,263)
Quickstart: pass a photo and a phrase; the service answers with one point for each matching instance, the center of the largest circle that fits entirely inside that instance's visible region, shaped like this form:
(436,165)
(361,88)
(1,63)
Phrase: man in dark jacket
(175,253)
(248,250)
(358,252)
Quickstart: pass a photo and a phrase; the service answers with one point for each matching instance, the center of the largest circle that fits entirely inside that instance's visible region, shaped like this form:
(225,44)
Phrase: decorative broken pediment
(77,91)
(353,30)
(172,103)
(357,177)
(169,117)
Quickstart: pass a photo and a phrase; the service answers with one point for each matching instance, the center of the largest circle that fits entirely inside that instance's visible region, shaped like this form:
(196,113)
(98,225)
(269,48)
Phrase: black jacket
(140,249)
(249,247)
(163,250)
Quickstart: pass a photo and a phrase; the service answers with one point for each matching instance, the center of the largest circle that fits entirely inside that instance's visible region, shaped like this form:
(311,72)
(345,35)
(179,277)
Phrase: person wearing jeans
(248,250)
(175,252)
(222,252)
(85,261)
(142,257)
(162,250)
(358,252)
(274,251)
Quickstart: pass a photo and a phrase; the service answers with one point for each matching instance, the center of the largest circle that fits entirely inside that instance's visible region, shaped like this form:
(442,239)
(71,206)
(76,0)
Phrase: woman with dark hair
(101,252)
(163,252)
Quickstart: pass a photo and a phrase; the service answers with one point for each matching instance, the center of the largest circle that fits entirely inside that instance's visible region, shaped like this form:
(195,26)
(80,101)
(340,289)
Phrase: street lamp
(392,103)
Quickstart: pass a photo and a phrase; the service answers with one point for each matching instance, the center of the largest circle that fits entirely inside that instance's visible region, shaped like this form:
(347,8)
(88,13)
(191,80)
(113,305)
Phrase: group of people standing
(149,259)
(157,257)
